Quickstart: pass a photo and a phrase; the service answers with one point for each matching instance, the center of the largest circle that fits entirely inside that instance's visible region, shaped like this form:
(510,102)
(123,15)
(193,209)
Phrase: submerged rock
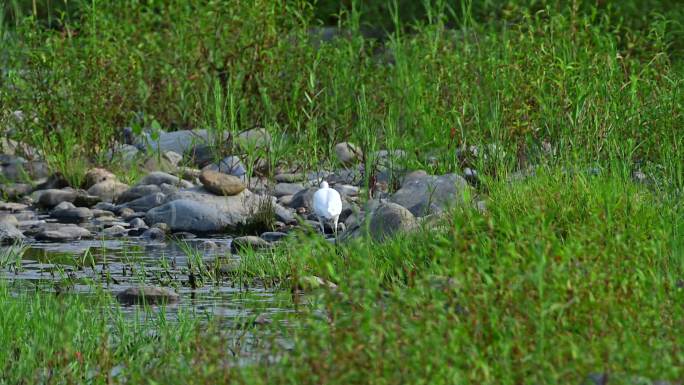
(273,236)
(248,242)
(150,295)
(155,233)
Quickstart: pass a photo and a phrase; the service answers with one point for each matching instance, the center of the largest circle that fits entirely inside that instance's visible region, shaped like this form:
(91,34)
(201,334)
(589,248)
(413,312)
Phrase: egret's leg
(320,222)
(335,219)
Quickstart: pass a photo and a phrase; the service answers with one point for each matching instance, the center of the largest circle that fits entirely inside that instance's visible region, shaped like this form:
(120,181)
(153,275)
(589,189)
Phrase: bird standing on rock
(327,205)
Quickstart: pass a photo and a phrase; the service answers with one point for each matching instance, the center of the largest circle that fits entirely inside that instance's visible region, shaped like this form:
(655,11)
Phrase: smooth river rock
(221,184)
(72,215)
(389,219)
(198,211)
(63,233)
(52,197)
(9,234)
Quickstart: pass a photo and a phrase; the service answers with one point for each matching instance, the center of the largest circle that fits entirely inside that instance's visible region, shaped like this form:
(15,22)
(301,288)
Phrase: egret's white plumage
(327,205)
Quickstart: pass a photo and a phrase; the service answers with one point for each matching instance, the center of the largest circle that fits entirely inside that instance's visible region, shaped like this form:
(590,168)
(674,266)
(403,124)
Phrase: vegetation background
(573,270)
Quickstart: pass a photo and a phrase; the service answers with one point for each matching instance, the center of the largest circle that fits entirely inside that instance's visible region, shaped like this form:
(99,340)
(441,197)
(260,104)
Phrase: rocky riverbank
(185,192)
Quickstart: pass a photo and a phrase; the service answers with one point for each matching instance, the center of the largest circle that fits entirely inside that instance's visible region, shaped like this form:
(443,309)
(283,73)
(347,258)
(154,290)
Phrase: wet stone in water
(273,236)
(151,295)
(114,231)
(247,242)
(137,223)
(64,233)
(73,215)
(154,233)
(9,234)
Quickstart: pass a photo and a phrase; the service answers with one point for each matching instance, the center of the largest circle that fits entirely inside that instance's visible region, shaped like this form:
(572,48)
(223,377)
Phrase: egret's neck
(324,184)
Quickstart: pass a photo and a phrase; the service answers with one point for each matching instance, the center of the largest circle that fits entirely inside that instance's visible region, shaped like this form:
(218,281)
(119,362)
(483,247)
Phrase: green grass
(597,83)
(564,275)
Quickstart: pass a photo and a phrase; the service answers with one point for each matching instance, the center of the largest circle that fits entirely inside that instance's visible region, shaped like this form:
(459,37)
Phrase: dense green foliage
(598,83)
(565,274)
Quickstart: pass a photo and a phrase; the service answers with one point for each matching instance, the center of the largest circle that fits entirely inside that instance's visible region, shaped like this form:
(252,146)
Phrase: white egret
(327,205)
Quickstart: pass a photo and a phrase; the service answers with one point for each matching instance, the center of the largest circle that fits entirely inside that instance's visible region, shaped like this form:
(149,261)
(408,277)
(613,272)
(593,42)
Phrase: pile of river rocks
(212,198)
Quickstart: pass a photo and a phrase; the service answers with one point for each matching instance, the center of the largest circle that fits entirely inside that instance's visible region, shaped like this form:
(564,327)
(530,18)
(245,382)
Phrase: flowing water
(83,267)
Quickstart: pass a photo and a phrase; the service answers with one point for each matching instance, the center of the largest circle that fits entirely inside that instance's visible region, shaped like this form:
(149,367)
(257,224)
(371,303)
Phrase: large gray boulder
(428,194)
(389,219)
(198,211)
